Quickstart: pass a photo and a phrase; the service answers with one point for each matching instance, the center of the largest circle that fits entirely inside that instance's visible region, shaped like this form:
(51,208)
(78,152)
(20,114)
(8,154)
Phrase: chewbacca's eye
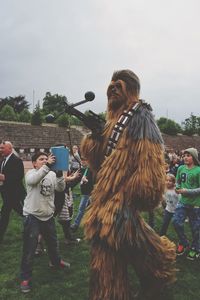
(118,86)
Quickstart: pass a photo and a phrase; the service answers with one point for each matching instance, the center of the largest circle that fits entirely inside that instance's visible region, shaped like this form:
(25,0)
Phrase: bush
(63,121)
(25,116)
(36,116)
(7,114)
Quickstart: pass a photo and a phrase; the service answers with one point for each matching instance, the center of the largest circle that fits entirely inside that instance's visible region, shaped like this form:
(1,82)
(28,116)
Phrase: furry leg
(153,259)
(108,278)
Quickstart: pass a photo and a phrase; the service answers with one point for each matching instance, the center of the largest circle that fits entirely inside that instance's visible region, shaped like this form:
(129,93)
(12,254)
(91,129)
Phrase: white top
(171,198)
(41,185)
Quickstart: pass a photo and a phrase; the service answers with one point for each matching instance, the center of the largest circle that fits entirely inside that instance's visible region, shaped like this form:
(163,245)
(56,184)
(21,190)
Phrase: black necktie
(3,164)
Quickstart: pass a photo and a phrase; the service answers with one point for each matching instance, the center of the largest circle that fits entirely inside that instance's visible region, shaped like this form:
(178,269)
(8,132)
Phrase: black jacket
(13,188)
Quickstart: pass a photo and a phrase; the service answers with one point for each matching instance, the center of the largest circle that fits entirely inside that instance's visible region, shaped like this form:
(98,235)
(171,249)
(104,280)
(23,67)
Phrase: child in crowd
(75,160)
(171,199)
(188,179)
(74,165)
(167,166)
(40,246)
(38,213)
(151,219)
(65,215)
(86,186)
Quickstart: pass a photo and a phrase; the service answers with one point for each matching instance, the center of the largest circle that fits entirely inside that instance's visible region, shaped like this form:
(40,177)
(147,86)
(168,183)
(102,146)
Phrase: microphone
(92,121)
(89,96)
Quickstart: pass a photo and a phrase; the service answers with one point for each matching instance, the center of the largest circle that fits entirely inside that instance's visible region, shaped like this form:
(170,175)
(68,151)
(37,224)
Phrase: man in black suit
(11,185)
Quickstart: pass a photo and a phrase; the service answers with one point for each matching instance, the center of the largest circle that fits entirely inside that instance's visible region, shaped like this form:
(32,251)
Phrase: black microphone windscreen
(89,96)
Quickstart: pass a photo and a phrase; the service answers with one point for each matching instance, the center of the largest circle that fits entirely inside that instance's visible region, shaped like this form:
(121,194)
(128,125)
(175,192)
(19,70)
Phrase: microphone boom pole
(92,121)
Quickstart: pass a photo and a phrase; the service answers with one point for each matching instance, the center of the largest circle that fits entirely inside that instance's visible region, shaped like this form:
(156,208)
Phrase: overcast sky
(69,47)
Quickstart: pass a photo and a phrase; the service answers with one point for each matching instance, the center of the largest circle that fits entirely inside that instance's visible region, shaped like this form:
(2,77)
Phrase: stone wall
(181,142)
(27,138)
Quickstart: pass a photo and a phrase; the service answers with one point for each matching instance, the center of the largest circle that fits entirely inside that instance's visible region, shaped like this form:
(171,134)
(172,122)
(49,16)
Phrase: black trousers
(6,209)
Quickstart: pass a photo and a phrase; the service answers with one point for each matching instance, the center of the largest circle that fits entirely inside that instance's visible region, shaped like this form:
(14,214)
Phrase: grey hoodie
(41,185)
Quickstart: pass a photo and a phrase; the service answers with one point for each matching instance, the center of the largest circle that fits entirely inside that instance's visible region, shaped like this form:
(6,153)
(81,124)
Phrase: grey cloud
(69,47)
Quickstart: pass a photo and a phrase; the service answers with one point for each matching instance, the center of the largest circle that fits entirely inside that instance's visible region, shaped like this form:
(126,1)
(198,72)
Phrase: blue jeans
(82,206)
(193,213)
(166,220)
(32,228)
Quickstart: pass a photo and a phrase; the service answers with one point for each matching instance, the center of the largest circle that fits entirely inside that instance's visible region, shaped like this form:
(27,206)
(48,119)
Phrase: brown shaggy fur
(128,181)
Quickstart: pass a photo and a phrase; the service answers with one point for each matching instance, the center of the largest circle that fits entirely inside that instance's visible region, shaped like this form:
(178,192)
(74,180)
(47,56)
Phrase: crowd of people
(126,162)
(49,194)
(45,196)
(181,200)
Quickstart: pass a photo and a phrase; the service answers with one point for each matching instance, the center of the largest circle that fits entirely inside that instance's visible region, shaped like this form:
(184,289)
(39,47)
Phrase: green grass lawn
(73,284)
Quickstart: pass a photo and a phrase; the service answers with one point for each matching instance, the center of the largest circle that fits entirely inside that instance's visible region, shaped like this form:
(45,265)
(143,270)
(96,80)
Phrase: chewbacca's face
(116,93)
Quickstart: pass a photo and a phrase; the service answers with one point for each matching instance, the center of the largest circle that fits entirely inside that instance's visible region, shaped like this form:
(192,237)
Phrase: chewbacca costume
(128,162)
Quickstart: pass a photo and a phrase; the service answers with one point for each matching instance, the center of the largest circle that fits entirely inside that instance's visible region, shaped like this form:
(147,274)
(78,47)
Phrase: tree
(54,103)
(18,103)
(36,116)
(191,125)
(168,126)
(25,116)
(102,115)
(198,125)
(7,113)
(63,121)
(75,121)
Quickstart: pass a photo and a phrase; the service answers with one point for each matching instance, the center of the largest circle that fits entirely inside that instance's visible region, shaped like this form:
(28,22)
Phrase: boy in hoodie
(38,213)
